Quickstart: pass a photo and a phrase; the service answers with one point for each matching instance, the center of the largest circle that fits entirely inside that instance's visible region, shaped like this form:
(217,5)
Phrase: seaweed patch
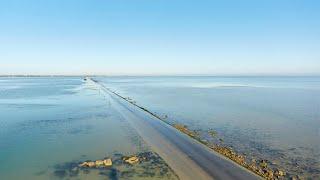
(142,165)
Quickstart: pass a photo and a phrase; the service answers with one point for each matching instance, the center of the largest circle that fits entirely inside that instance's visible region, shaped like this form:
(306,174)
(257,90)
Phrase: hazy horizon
(79,37)
(163,75)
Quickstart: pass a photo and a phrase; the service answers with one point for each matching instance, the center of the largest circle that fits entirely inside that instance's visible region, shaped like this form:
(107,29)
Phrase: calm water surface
(48,125)
(274,118)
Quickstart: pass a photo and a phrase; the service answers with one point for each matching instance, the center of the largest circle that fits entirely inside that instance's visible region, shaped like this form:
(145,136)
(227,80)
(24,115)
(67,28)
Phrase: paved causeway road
(187,157)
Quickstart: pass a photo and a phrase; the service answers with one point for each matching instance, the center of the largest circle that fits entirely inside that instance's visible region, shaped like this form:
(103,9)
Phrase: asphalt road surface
(186,156)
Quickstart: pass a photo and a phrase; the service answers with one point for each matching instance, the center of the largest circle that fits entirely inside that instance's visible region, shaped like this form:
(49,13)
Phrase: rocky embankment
(259,167)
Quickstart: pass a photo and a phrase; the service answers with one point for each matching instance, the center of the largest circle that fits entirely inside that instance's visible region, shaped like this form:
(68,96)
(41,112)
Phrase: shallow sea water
(48,125)
(273,118)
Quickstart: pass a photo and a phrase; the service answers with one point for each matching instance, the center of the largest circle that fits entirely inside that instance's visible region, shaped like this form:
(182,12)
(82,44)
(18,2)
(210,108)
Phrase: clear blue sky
(132,37)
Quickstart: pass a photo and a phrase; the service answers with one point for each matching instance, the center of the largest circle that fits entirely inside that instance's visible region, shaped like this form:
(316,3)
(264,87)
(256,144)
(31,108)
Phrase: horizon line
(128,75)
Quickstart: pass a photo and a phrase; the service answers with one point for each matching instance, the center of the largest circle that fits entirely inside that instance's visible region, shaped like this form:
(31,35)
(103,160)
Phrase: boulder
(107,162)
(268,173)
(263,164)
(132,160)
(99,163)
(91,164)
(279,173)
(84,164)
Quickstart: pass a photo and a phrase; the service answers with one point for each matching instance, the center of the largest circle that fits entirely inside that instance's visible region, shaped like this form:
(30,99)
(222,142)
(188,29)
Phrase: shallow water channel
(48,125)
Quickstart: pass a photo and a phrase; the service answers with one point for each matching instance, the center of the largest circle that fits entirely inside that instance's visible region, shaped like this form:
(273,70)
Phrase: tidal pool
(271,118)
(48,125)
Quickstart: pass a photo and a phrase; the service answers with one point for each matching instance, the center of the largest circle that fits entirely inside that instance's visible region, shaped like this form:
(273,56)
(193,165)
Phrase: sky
(160,37)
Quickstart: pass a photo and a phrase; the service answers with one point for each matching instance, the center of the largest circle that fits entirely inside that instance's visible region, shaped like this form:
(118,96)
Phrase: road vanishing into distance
(186,156)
